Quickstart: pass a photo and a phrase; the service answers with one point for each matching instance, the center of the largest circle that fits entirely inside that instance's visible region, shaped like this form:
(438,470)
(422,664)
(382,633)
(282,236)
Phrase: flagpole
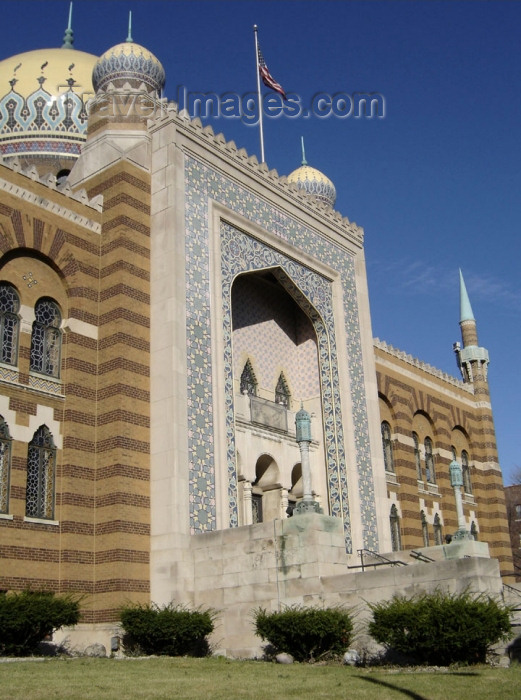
(261,130)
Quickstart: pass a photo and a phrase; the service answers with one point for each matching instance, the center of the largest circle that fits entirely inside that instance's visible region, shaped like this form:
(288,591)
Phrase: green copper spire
(68,39)
(129,37)
(465,307)
(304,161)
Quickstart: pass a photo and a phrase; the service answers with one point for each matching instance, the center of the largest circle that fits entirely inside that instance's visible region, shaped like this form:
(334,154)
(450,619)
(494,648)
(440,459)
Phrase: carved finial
(304,161)
(129,37)
(68,39)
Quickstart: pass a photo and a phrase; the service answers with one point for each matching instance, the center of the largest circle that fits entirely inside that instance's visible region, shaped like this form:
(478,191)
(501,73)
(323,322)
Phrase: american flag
(268,80)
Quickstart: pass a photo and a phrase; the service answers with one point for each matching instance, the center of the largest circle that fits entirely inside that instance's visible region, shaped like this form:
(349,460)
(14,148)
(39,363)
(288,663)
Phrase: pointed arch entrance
(312,293)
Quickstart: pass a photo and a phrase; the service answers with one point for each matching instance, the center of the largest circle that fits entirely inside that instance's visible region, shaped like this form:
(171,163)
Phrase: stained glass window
(46,339)
(9,324)
(282,394)
(396,539)
(429,461)
(248,380)
(387,447)
(5,464)
(41,467)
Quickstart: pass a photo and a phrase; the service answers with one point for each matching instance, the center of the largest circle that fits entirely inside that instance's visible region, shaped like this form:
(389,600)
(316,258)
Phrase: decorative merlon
(424,366)
(241,156)
(49,181)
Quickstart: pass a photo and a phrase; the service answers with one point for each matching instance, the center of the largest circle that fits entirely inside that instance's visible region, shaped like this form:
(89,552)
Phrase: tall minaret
(486,473)
(472,360)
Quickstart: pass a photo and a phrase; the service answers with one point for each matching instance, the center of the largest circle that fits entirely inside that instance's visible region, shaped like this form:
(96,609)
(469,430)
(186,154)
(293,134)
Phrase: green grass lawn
(221,679)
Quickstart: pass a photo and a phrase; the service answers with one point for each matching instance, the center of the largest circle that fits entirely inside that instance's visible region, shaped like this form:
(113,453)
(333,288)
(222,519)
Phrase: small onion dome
(315,183)
(128,63)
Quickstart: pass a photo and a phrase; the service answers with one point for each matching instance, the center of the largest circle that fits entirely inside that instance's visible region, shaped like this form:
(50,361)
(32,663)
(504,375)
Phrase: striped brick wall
(98,543)
(413,400)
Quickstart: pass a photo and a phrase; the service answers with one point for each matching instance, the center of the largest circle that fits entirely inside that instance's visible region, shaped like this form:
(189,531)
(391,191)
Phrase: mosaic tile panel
(202,183)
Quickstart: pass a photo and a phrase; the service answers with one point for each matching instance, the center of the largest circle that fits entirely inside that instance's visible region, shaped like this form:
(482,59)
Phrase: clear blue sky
(435,184)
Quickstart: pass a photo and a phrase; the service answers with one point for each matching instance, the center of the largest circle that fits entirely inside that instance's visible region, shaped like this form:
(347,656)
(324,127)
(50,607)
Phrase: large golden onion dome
(129,63)
(43,96)
(313,182)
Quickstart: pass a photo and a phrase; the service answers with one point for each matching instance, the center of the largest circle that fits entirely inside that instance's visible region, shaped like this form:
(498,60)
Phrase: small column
(303,437)
(456,481)
(248,512)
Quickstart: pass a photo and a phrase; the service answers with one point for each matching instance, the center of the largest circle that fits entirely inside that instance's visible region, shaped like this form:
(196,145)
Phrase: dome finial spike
(304,161)
(129,37)
(68,39)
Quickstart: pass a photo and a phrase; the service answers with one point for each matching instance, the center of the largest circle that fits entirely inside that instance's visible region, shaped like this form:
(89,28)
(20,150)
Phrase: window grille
(9,324)
(387,447)
(46,339)
(438,536)
(5,465)
(282,394)
(429,461)
(417,456)
(465,468)
(248,380)
(41,467)
(425,529)
(256,507)
(396,539)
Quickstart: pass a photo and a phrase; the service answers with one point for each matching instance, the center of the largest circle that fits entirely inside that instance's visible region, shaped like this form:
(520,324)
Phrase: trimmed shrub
(171,630)
(440,628)
(27,618)
(306,633)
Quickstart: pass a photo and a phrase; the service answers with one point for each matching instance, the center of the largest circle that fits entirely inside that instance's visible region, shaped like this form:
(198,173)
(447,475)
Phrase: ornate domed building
(43,105)
(164,313)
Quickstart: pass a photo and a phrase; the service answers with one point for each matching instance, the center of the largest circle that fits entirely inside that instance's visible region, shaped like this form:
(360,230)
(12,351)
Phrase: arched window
(425,529)
(9,324)
(474,530)
(438,535)
(429,461)
(5,465)
(46,339)
(248,380)
(387,447)
(465,468)
(396,539)
(417,456)
(282,394)
(41,467)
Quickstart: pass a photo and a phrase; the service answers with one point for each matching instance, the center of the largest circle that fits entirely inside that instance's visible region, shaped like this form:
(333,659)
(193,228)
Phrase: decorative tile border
(201,184)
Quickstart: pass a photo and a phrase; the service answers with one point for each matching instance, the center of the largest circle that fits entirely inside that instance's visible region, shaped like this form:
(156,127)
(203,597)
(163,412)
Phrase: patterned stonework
(241,253)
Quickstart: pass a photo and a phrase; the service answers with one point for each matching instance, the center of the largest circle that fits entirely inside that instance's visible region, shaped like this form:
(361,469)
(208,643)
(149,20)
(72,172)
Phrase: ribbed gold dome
(42,103)
(314,183)
(131,63)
